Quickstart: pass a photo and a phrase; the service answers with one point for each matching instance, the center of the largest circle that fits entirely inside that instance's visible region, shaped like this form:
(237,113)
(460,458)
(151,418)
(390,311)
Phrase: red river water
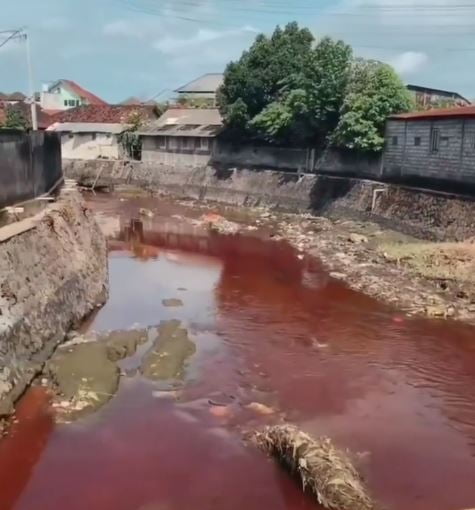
(269,327)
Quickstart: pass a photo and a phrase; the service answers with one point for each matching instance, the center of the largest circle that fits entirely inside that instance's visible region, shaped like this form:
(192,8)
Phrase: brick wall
(408,151)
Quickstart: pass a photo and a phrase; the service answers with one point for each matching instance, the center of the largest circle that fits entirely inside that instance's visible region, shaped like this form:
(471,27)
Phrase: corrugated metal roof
(87,127)
(460,111)
(430,90)
(204,122)
(207,83)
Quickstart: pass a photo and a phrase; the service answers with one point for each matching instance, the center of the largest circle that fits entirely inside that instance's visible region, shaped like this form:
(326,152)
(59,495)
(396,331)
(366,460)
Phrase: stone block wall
(53,274)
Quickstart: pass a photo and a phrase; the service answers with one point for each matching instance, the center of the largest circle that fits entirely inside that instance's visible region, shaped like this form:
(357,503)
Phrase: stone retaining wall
(421,213)
(53,270)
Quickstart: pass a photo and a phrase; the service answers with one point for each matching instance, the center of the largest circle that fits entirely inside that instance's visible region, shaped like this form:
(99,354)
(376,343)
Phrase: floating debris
(324,470)
(172,302)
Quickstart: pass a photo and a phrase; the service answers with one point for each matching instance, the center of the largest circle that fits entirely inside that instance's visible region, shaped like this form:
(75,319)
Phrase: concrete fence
(30,165)
(309,160)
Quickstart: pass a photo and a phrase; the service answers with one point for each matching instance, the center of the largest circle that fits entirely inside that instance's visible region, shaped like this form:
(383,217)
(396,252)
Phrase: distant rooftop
(105,113)
(430,90)
(87,127)
(14,96)
(208,83)
(78,90)
(460,111)
(204,122)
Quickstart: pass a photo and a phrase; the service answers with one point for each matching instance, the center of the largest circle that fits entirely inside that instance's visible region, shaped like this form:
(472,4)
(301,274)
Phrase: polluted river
(227,333)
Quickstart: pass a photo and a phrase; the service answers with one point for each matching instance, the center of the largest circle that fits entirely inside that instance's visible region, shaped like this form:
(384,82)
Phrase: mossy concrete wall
(53,270)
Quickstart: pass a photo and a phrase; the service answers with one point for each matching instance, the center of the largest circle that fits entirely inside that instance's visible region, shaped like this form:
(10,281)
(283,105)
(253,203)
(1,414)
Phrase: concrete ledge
(53,273)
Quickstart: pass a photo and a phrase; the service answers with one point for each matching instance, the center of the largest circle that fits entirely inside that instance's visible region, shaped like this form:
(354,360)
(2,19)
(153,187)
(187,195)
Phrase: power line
(181,4)
(14,34)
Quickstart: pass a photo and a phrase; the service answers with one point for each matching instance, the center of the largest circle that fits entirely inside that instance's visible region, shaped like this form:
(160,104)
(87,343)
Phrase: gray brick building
(434,144)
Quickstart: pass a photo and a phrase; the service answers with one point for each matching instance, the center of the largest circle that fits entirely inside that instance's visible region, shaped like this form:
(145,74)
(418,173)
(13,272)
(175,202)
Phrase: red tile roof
(77,89)
(108,114)
(460,111)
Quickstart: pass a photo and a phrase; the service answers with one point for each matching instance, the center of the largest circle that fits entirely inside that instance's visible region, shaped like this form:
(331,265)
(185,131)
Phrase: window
(173,143)
(162,142)
(444,141)
(434,140)
(417,141)
(78,102)
(65,102)
(395,140)
(93,136)
(185,143)
(204,144)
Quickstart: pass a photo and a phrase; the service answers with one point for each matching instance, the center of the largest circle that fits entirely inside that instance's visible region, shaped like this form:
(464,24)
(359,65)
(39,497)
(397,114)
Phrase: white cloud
(122,28)
(171,45)
(409,62)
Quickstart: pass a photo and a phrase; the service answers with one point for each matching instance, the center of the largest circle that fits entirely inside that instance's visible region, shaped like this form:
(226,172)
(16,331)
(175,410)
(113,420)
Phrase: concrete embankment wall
(30,165)
(54,273)
(421,213)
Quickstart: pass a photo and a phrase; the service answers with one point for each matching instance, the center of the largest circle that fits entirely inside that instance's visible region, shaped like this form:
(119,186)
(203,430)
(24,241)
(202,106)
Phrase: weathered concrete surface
(420,213)
(53,274)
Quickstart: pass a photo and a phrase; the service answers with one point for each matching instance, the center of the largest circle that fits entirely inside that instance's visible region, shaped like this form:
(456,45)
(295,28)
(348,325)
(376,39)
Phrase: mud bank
(420,213)
(54,273)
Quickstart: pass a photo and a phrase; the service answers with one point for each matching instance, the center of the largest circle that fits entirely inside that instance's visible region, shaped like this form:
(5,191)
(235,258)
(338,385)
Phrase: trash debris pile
(325,471)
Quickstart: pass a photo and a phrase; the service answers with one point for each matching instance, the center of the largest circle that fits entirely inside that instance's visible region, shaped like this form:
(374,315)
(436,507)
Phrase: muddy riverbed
(236,331)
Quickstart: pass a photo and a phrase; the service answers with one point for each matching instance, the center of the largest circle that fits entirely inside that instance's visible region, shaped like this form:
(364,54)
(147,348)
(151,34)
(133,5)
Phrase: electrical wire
(180,7)
(14,34)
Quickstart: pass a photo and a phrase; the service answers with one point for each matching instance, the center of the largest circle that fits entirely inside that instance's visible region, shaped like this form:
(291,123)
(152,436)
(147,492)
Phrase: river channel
(269,326)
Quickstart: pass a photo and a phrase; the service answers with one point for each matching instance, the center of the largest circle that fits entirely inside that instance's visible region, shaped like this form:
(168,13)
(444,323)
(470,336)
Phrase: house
(135,101)
(426,97)
(64,94)
(182,137)
(202,89)
(93,131)
(90,140)
(436,144)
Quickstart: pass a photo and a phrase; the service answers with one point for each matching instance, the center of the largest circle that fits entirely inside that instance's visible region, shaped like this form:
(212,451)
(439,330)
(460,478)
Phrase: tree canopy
(374,92)
(287,89)
(14,119)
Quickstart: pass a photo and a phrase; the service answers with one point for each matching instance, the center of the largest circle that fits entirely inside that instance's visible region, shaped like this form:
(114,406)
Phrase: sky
(148,48)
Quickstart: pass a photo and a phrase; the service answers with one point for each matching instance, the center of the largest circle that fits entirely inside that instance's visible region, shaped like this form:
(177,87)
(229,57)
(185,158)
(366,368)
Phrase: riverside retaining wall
(53,270)
(30,165)
(421,213)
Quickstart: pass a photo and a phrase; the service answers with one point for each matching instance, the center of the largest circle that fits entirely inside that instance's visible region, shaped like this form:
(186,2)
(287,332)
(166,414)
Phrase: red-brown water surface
(269,328)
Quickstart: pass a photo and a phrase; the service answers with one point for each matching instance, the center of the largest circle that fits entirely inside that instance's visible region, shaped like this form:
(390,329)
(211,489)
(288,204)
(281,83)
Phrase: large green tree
(374,92)
(256,79)
(307,110)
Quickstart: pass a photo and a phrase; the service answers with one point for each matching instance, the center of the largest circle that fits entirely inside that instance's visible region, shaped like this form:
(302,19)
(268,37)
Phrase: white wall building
(87,140)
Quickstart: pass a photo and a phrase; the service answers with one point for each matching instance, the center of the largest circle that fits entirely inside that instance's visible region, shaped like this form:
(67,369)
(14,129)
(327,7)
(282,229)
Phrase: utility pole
(22,34)
(34,120)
